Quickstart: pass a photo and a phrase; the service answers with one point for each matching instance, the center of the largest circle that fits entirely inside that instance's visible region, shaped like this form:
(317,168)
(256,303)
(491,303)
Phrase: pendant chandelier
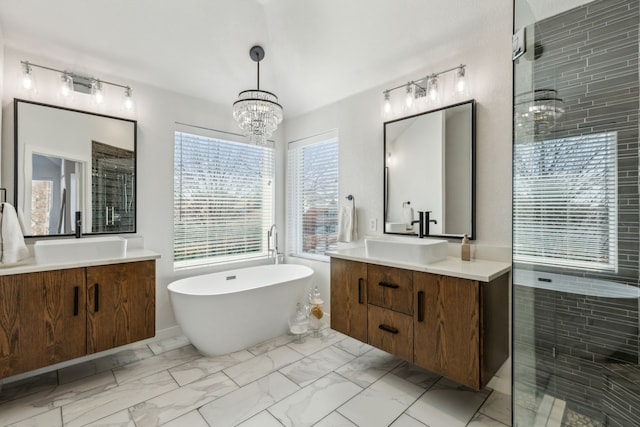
(257,111)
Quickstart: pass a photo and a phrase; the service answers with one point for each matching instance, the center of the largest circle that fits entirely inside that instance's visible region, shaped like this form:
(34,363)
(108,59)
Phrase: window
(223,200)
(565,196)
(313,196)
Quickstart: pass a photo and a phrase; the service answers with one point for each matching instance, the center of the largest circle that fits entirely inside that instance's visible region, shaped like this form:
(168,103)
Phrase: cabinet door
(447,327)
(120,304)
(42,319)
(349,298)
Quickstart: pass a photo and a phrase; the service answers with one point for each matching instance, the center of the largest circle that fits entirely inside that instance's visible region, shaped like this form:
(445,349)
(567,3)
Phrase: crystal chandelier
(537,111)
(257,111)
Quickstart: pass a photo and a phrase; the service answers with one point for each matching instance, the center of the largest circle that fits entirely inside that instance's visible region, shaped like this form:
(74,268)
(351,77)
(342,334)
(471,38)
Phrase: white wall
(360,124)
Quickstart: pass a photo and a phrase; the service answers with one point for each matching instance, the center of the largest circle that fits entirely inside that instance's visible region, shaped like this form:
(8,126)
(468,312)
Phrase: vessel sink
(410,250)
(78,250)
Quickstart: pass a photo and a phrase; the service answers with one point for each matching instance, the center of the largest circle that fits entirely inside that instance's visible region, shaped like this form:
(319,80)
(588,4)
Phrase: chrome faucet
(273,232)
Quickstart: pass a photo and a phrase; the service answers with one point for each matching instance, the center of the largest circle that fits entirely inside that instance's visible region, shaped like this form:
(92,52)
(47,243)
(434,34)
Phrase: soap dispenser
(465,249)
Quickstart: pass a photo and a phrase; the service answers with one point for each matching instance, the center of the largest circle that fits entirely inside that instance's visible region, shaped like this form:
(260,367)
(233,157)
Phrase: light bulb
(128,99)
(432,89)
(97,92)
(408,100)
(386,106)
(27,77)
(460,82)
(66,85)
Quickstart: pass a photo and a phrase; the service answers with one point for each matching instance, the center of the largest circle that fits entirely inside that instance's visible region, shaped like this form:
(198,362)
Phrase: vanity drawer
(390,288)
(391,331)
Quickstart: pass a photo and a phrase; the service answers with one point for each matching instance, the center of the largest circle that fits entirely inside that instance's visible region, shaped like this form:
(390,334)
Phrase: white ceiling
(317,51)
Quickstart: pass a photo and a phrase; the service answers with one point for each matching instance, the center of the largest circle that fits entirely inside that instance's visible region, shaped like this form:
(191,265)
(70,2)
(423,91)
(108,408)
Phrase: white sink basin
(411,250)
(85,249)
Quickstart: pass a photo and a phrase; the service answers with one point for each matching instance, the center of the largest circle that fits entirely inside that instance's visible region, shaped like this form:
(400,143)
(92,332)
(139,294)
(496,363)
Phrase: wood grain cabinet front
(42,319)
(58,315)
(349,298)
(454,327)
(120,304)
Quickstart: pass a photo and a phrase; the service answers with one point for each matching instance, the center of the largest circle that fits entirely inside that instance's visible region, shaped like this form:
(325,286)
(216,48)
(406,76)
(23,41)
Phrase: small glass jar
(299,323)
(316,313)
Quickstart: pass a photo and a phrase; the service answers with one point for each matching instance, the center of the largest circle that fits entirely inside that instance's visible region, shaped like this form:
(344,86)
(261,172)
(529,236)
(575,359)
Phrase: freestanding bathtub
(227,311)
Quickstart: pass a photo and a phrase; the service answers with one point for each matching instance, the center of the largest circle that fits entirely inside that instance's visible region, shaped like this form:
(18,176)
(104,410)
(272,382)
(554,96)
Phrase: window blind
(313,196)
(223,200)
(565,198)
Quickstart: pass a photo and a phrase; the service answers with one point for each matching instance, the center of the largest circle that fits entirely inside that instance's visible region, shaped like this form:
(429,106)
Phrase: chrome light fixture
(66,85)
(72,82)
(27,81)
(257,111)
(97,92)
(427,89)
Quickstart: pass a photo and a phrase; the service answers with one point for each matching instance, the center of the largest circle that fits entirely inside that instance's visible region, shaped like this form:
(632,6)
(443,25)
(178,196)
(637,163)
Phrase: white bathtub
(228,311)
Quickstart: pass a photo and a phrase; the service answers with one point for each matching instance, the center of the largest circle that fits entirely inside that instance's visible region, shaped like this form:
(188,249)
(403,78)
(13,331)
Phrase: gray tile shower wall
(590,56)
(578,348)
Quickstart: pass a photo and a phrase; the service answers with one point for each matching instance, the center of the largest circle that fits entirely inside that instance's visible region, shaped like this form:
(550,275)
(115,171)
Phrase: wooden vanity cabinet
(349,298)
(120,304)
(454,327)
(42,319)
(49,317)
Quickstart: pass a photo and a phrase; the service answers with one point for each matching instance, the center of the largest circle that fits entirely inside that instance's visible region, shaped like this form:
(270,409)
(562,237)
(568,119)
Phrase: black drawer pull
(76,291)
(360,296)
(420,306)
(96,298)
(388,329)
(388,285)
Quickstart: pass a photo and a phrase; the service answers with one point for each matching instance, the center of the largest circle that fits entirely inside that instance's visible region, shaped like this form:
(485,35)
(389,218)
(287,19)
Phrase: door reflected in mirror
(68,161)
(429,167)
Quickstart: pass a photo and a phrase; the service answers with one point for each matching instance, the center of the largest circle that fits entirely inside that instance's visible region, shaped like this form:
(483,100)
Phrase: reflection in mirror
(429,167)
(69,161)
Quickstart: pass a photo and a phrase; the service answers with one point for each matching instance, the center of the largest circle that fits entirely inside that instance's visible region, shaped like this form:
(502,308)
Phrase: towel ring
(353,199)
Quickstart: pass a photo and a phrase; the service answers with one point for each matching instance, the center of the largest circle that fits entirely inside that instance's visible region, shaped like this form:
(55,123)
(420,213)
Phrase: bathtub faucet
(273,232)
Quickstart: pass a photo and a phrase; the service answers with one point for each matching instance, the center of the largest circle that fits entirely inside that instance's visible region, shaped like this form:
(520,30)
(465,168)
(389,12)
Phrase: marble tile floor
(333,380)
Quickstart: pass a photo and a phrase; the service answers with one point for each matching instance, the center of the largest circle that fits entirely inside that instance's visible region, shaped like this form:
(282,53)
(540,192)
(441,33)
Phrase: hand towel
(13,246)
(347,224)
(407,214)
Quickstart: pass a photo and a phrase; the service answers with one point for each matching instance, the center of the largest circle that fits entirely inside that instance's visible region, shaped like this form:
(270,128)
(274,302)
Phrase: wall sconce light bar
(426,87)
(71,81)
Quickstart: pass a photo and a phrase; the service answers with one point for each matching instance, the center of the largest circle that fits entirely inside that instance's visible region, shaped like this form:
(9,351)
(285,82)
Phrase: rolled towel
(407,214)
(13,246)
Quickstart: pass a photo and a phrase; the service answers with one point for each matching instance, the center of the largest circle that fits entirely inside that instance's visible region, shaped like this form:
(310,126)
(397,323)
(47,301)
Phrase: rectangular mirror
(429,162)
(69,161)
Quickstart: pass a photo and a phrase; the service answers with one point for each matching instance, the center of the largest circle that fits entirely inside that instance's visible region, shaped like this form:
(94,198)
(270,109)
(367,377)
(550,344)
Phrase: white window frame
(294,188)
(268,183)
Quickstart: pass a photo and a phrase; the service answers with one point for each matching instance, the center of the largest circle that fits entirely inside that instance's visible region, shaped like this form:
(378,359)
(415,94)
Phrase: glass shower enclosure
(576,224)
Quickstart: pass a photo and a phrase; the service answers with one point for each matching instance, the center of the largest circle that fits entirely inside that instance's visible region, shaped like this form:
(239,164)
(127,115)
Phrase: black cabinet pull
(420,306)
(388,285)
(360,284)
(76,293)
(388,329)
(96,298)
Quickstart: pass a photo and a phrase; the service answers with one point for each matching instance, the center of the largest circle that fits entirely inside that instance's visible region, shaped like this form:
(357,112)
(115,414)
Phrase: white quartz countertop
(29,265)
(476,269)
